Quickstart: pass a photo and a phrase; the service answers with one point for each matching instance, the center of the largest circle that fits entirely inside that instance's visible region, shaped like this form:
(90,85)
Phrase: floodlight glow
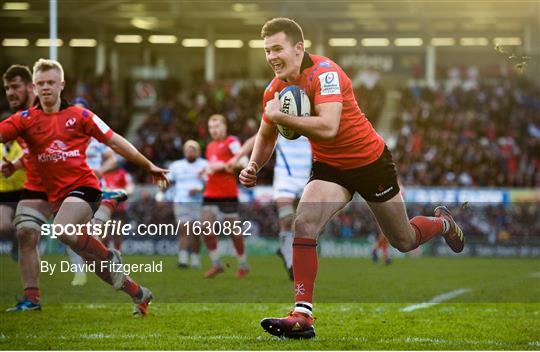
(45,42)
(443,41)
(375,42)
(507,41)
(256,43)
(147,23)
(128,39)
(195,43)
(408,42)
(342,42)
(83,42)
(162,39)
(15,6)
(229,43)
(15,42)
(473,41)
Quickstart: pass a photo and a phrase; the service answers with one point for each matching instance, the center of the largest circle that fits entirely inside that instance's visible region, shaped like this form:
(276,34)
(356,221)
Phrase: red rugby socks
(305,267)
(132,288)
(91,245)
(384,248)
(427,227)
(32,293)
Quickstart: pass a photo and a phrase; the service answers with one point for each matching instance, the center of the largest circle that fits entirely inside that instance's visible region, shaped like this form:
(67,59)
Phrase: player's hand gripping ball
(295,102)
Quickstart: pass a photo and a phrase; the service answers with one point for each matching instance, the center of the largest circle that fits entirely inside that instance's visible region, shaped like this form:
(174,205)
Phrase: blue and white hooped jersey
(293,158)
(187,176)
(94,153)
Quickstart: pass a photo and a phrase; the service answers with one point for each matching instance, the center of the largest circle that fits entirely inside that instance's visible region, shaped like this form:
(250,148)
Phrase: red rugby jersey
(222,184)
(357,143)
(57,145)
(118,178)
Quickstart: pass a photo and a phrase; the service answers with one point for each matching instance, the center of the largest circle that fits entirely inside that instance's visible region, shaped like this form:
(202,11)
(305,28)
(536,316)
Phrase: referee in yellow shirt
(10,192)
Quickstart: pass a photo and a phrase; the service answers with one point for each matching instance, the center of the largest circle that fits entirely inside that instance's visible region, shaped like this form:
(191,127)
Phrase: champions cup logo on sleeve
(56,152)
(328,79)
(329,83)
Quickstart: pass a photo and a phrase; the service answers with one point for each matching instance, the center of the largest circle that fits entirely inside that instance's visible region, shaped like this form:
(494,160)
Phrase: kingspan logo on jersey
(57,151)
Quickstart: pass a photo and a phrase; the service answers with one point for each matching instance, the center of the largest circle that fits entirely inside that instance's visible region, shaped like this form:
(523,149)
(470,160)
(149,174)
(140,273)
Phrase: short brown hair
(46,65)
(292,30)
(218,117)
(18,71)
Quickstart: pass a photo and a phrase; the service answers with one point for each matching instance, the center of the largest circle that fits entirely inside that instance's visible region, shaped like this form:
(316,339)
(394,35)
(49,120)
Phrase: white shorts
(289,187)
(185,212)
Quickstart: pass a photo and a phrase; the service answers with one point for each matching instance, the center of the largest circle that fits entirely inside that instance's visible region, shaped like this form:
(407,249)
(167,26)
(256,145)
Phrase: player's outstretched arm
(121,146)
(265,142)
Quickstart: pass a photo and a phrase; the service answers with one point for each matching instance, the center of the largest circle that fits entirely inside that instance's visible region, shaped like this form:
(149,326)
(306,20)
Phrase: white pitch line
(436,300)
(268,338)
(537,275)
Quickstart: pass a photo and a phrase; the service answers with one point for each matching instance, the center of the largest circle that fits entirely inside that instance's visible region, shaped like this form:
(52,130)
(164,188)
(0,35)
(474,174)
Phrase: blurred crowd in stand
(471,133)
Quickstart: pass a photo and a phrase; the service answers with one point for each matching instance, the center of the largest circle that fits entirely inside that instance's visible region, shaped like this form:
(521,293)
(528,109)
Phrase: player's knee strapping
(102,215)
(285,212)
(27,217)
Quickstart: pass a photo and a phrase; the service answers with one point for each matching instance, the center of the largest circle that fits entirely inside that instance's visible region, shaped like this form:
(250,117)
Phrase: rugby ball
(295,102)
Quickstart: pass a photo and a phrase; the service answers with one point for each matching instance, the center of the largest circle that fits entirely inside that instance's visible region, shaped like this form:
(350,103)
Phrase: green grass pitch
(358,305)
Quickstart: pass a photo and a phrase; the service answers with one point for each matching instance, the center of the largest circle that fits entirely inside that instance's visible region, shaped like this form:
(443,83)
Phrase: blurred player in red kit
(118,179)
(100,159)
(349,157)
(220,202)
(57,135)
(381,243)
